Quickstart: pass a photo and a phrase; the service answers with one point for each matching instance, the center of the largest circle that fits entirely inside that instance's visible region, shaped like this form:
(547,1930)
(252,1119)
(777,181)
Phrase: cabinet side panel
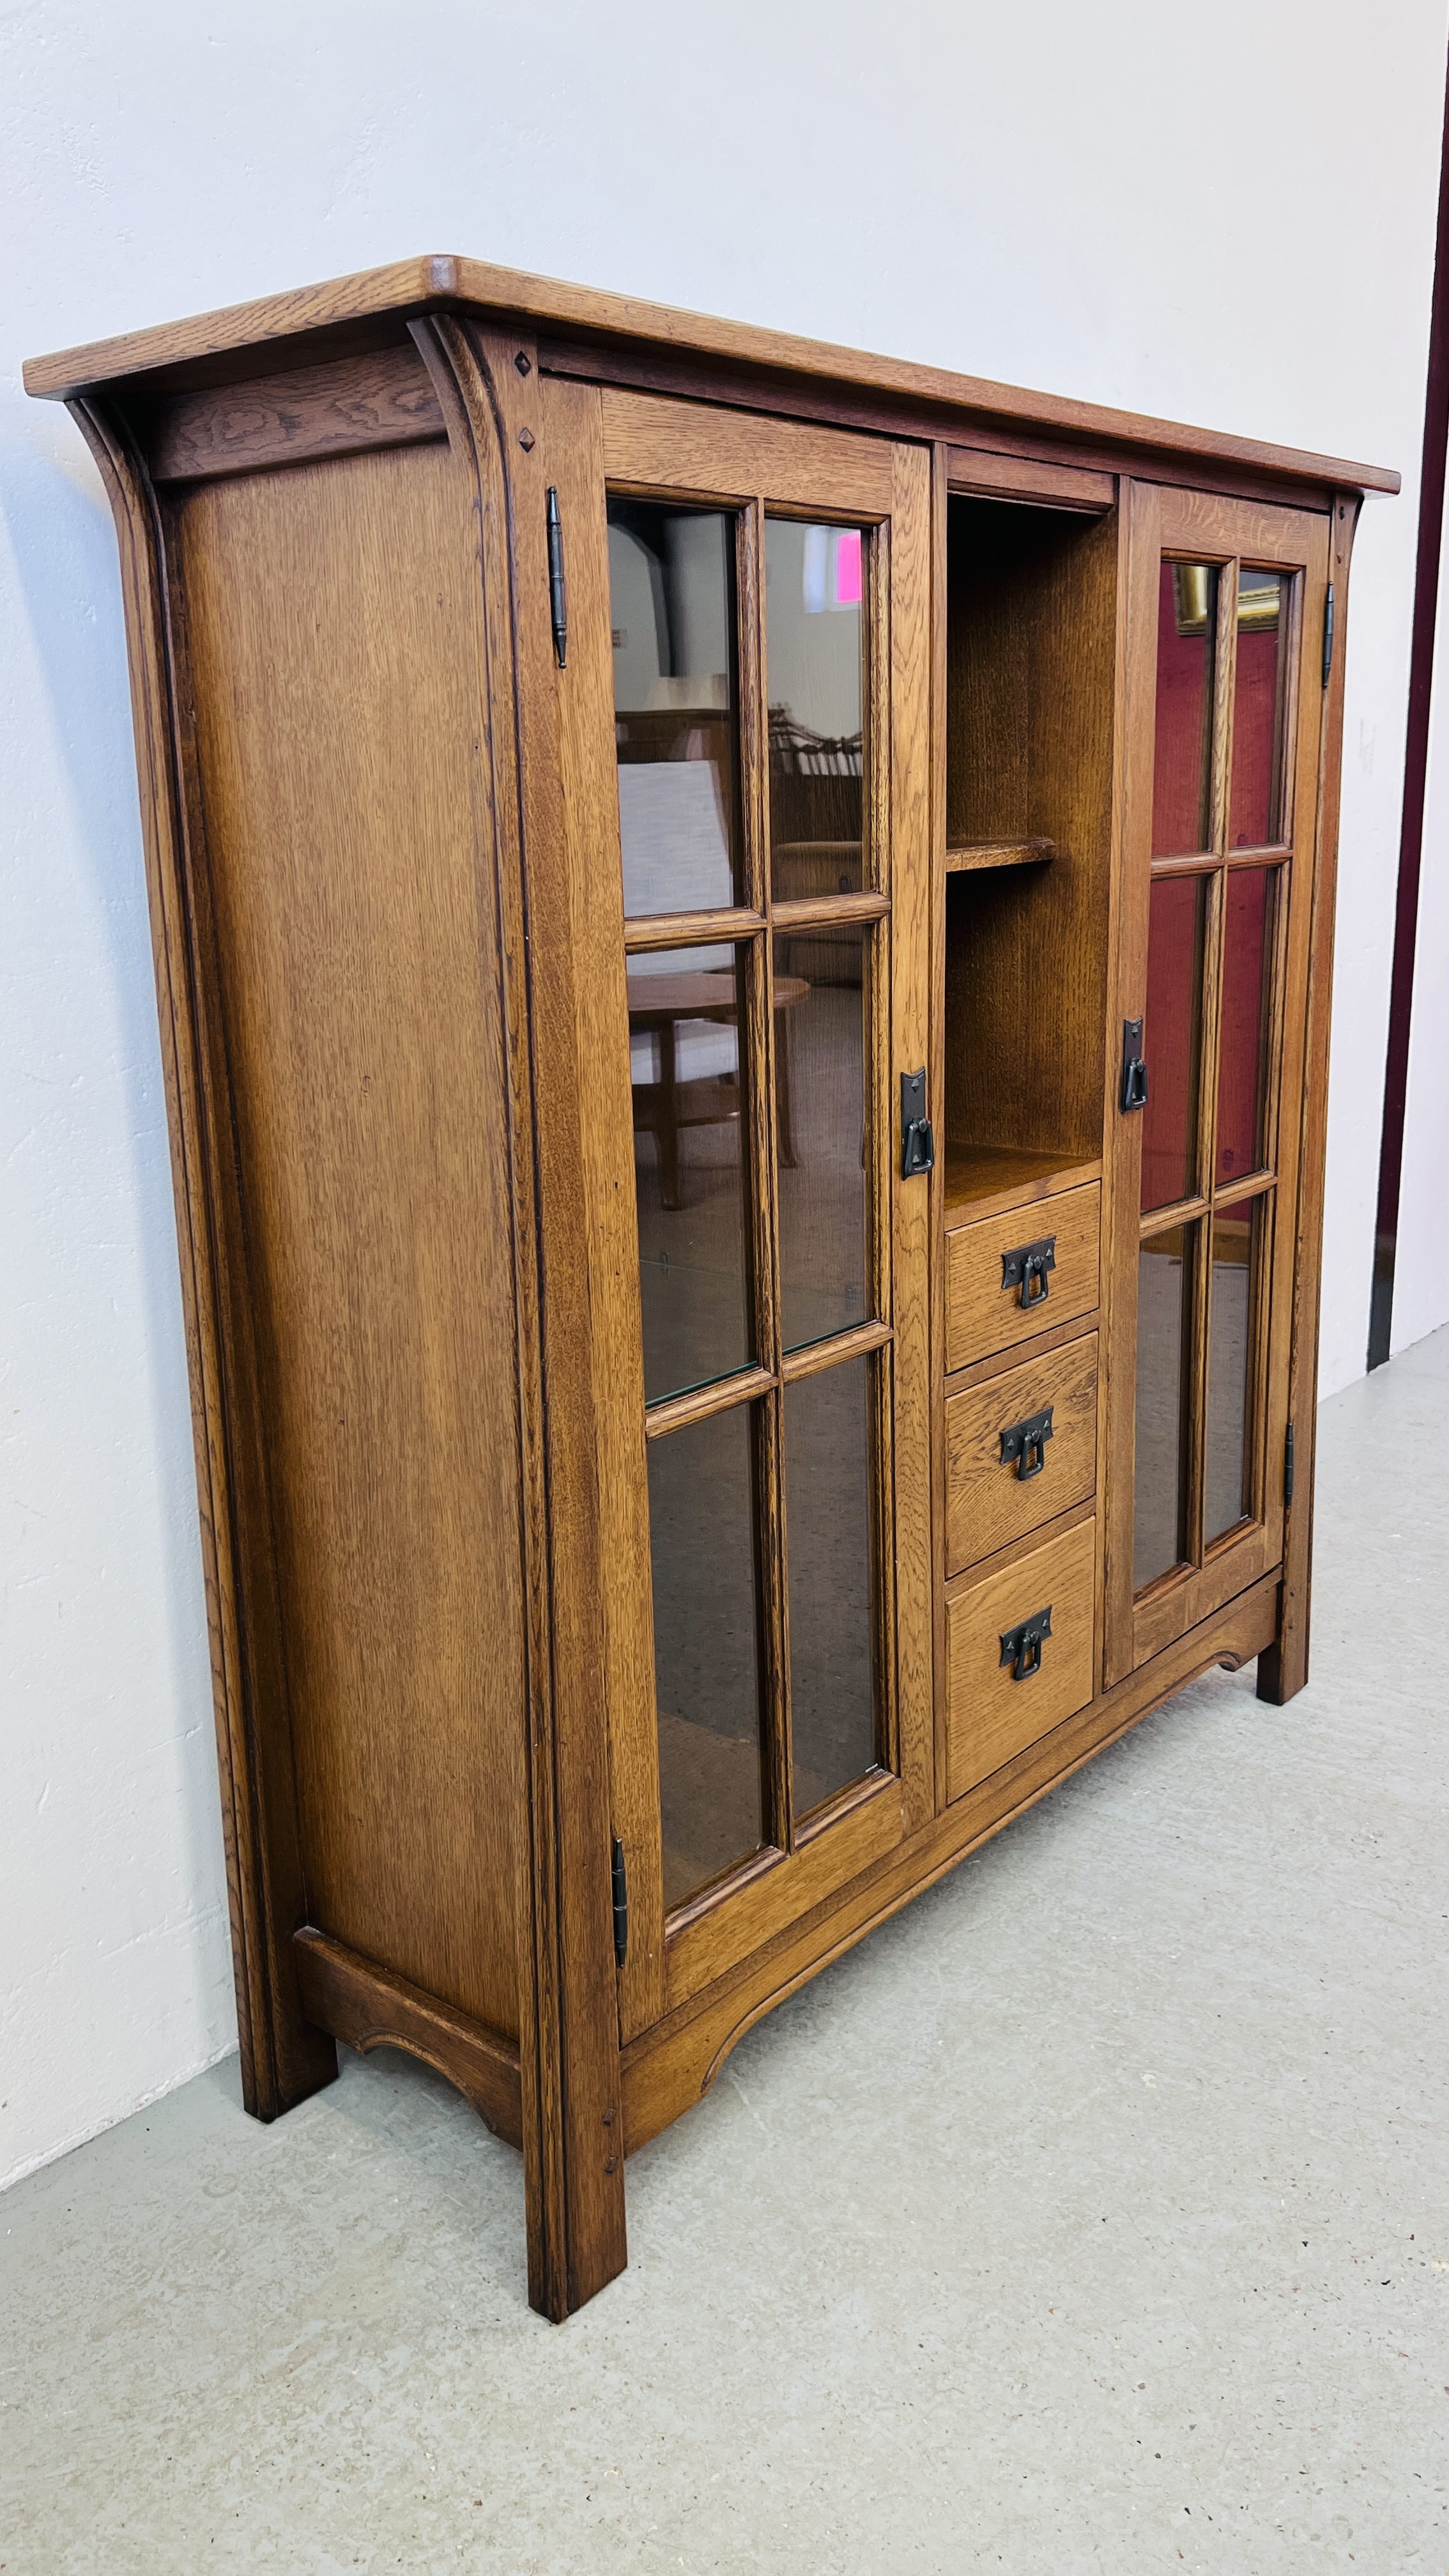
(353,890)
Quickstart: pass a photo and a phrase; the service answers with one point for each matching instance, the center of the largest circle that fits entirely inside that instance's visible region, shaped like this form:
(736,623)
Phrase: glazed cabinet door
(743,709)
(1224,721)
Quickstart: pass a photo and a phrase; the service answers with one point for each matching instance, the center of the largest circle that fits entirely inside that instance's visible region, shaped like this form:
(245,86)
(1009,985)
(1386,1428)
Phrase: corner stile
(487,384)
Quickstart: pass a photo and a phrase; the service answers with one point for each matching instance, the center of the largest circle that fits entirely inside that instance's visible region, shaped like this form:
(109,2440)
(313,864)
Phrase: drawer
(989,1502)
(984,1312)
(990,1715)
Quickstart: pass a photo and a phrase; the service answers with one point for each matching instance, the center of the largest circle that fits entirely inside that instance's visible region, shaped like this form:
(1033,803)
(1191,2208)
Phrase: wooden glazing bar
(1163,1220)
(851,1345)
(701,1401)
(689,930)
(1253,1185)
(753,716)
(820,911)
(1225,667)
(1198,863)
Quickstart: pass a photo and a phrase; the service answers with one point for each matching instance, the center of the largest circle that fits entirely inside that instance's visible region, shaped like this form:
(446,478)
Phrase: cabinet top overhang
(348,313)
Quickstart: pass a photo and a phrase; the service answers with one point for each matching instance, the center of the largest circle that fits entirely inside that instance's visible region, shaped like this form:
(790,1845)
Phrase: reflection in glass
(1243,1043)
(1230,1326)
(1182,758)
(1255,797)
(820,1110)
(1176,918)
(828,1541)
(814,643)
(1164,1323)
(676,726)
(686,1012)
(706,1648)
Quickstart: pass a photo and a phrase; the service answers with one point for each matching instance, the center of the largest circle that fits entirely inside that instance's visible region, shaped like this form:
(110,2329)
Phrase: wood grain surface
(328,651)
(381,399)
(990,1716)
(983,1316)
(445,280)
(988,1504)
(365,2005)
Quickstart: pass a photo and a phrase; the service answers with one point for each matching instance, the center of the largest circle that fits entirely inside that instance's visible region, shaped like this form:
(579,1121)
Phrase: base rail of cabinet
(371,2008)
(668,2068)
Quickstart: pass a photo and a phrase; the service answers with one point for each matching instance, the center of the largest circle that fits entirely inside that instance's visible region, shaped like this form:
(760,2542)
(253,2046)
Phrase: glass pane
(1255,798)
(1242,1045)
(1182,758)
(813,659)
(828,1541)
(686,1011)
(820,1109)
(1176,918)
(676,727)
(1164,1324)
(706,1648)
(1230,1323)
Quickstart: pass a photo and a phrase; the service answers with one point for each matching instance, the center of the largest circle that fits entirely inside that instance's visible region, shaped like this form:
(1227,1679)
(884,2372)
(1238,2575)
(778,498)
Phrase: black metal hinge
(1328,635)
(1288,1466)
(620,1879)
(558,605)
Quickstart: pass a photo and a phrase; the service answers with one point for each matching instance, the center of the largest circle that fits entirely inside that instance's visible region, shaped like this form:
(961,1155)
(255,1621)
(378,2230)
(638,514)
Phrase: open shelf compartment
(1031,649)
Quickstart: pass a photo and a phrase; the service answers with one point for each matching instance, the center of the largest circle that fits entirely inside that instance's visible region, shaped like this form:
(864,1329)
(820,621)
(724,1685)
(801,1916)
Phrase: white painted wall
(1226,217)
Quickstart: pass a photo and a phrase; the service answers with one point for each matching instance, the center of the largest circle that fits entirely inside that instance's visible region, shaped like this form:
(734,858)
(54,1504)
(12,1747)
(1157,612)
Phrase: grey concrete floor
(1092,2216)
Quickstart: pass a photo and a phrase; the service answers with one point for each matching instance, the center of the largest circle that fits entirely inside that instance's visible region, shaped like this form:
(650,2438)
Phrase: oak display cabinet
(743,936)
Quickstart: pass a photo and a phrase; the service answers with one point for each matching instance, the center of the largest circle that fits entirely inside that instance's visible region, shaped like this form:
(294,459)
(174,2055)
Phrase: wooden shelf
(998,854)
(981,1180)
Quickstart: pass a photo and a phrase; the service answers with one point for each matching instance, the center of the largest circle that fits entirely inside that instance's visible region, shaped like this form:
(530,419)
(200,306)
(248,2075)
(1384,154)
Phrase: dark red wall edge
(1416,761)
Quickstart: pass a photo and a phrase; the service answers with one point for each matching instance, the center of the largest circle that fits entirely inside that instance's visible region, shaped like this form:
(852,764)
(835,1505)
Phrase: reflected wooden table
(658,1005)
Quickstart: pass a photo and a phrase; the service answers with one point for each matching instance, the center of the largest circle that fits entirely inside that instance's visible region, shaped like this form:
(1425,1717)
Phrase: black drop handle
(1024,1444)
(1026,1270)
(918,1145)
(1134,1066)
(1021,1647)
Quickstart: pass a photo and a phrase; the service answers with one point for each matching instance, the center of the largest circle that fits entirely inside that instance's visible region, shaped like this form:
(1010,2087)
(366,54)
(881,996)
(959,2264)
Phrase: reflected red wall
(1184,674)
(1179,826)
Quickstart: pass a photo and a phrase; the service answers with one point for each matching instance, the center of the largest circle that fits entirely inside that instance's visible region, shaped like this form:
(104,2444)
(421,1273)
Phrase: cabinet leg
(1283,1666)
(284,2057)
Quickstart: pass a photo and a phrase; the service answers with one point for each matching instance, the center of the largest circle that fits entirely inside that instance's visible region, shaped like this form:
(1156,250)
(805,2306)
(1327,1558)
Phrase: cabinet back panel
(1029,733)
(341,798)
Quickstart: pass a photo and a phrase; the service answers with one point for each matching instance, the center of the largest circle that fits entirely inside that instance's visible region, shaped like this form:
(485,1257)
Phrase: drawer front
(984,1310)
(992,1501)
(990,1714)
